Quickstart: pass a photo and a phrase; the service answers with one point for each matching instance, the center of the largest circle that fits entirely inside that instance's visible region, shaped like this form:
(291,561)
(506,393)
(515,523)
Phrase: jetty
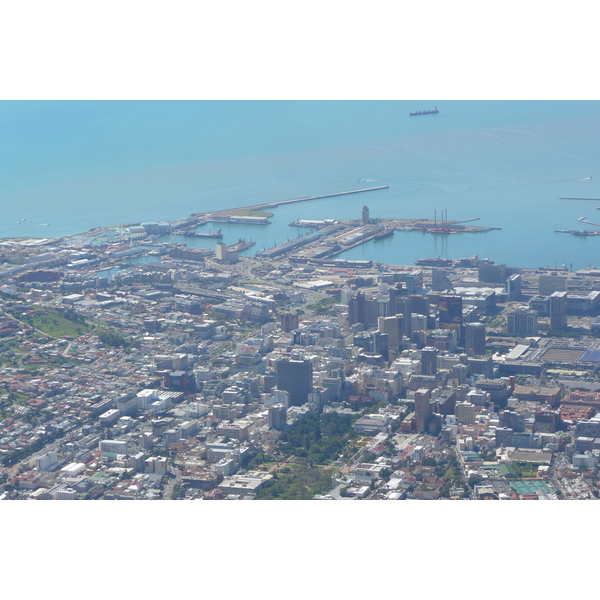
(579,232)
(217,214)
(578,198)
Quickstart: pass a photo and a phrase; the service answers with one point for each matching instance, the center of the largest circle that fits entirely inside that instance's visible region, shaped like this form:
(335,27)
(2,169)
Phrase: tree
(385,473)
(112,338)
(368,457)
(474,480)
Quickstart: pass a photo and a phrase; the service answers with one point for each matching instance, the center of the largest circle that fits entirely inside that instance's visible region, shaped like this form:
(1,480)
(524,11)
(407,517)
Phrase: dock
(438,227)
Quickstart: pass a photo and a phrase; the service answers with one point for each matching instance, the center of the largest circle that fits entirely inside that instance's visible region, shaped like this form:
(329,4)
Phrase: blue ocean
(66,167)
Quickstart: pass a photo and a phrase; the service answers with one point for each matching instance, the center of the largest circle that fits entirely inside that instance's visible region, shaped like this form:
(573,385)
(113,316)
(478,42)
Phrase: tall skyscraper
(450,314)
(357,308)
(295,377)
(362,310)
(420,305)
(475,339)
(513,286)
(558,310)
(394,292)
(422,409)
(393,327)
(403,307)
(429,360)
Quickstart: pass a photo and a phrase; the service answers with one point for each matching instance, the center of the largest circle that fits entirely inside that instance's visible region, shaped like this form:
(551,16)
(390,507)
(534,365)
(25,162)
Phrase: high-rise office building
(450,314)
(380,343)
(277,417)
(420,305)
(362,310)
(558,310)
(552,282)
(513,286)
(393,327)
(403,307)
(429,360)
(394,292)
(418,323)
(295,377)
(289,321)
(522,322)
(465,413)
(475,339)
(413,281)
(439,280)
(357,308)
(422,409)
(491,273)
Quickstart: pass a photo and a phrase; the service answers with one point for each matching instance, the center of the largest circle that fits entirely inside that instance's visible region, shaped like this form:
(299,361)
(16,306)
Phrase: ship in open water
(433,111)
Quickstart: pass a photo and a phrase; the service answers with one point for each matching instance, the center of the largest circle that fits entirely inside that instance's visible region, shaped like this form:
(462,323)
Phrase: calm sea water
(77,165)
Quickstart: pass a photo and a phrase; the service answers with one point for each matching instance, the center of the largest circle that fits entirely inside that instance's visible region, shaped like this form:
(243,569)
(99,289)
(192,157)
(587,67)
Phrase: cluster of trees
(177,492)
(322,306)
(300,484)
(72,315)
(113,338)
(319,438)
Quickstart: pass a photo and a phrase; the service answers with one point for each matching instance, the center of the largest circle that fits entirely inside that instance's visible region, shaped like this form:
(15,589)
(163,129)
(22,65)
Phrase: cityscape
(134,366)
(343,253)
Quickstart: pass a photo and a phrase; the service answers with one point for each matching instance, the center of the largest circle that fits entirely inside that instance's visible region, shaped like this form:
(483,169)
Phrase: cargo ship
(433,111)
(434,262)
(563,268)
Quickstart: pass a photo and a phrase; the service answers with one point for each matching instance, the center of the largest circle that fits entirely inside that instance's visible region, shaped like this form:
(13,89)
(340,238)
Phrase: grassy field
(52,322)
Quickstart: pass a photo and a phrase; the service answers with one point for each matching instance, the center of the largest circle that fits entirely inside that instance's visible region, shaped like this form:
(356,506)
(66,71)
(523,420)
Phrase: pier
(580,232)
(211,216)
(578,198)
(275,204)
